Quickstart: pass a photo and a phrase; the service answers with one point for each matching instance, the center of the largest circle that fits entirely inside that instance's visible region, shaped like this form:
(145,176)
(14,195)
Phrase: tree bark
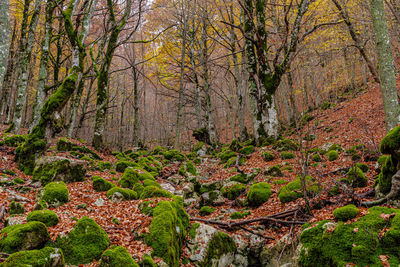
(4,37)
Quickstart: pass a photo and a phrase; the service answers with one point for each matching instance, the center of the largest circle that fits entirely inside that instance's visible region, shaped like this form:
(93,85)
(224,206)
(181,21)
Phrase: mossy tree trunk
(27,153)
(264,79)
(103,72)
(44,62)
(386,64)
(4,37)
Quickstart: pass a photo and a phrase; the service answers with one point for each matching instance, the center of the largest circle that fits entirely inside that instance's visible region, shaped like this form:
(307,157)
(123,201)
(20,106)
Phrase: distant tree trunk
(135,106)
(25,50)
(84,109)
(103,73)
(121,118)
(44,62)
(4,37)
(386,64)
(181,80)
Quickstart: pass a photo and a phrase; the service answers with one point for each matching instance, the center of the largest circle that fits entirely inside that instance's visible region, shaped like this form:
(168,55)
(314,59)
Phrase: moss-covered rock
(293,190)
(63,144)
(233,190)
(287,145)
(174,155)
(247,150)
(241,178)
(332,155)
(239,215)
(126,193)
(346,213)
(232,162)
(47,257)
(335,147)
(268,156)
(359,243)
(364,167)
(316,158)
(258,194)
(55,193)
(100,184)
(154,191)
(14,140)
(274,171)
(356,177)
(151,183)
(220,244)
(120,166)
(390,144)
(32,235)
(117,256)
(206,210)
(384,182)
(85,243)
(147,261)
(51,169)
(129,178)
(16,208)
(287,155)
(225,155)
(144,175)
(29,152)
(48,217)
(168,231)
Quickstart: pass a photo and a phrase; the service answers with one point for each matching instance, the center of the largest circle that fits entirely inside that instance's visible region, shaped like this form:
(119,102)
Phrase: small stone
(99,202)
(117,197)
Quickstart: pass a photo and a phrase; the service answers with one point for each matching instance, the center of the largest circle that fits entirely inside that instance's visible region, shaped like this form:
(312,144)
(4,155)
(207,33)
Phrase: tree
(4,36)
(386,64)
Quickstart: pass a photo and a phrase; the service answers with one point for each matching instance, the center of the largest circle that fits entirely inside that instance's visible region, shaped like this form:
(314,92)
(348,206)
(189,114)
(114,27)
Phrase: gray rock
(14,220)
(212,198)
(168,187)
(175,179)
(281,254)
(117,197)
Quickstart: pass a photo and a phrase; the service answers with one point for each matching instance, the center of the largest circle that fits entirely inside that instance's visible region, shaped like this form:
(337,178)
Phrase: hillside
(148,219)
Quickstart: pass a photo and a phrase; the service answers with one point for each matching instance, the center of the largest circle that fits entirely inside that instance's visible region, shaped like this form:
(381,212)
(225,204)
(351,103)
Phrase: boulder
(281,253)
(49,257)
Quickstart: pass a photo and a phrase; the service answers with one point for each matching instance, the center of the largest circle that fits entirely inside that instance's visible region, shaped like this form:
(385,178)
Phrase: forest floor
(357,120)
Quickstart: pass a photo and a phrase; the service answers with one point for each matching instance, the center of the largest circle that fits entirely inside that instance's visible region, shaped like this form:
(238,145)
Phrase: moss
(219,245)
(128,194)
(206,210)
(287,155)
(293,190)
(59,170)
(190,168)
(346,213)
(18,181)
(63,144)
(84,243)
(104,165)
(117,256)
(241,178)
(356,177)
(239,215)
(151,183)
(145,208)
(258,194)
(287,145)
(55,193)
(14,140)
(232,192)
(274,171)
(225,155)
(364,167)
(27,153)
(279,181)
(153,191)
(247,150)
(45,257)
(335,147)
(174,155)
(381,160)
(32,235)
(145,175)
(384,180)
(138,188)
(232,161)
(332,155)
(391,142)
(147,262)
(168,231)
(120,166)
(129,178)
(316,158)
(268,156)
(100,184)
(16,208)
(48,217)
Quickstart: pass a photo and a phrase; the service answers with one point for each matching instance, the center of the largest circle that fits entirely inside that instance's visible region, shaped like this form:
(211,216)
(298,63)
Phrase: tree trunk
(4,37)
(386,64)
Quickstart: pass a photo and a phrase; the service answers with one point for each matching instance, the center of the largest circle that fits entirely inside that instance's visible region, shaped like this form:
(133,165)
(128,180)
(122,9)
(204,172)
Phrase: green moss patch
(356,177)
(117,256)
(219,245)
(258,194)
(154,191)
(55,193)
(234,191)
(45,257)
(127,194)
(287,145)
(206,210)
(239,215)
(168,231)
(346,213)
(32,235)
(100,184)
(293,190)
(16,208)
(48,217)
(268,156)
(274,171)
(129,178)
(287,155)
(384,181)
(247,150)
(332,155)
(85,243)
(391,142)
(174,155)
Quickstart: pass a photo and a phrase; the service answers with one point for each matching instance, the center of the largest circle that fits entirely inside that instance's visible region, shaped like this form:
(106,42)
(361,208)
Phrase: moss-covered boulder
(126,194)
(16,208)
(120,166)
(51,169)
(100,184)
(233,190)
(359,243)
(117,256)
(384,182)
(332,155)
(46,257)
(346,213)
(174,155)
(287,145)
(241,178)
(154,191)
(32,235)
(247,150)
(226,154)
(168,231)
(55,194)
(85,243)
(14,140)
(206,210)
(129,178)
(48,217)
(147,261)
(239,215)
(274,171)
(287,155)
(63,144)
(293,190)
(268,156)
(390,144)
(258,194)
(29,152)
(356,177)
(316,158)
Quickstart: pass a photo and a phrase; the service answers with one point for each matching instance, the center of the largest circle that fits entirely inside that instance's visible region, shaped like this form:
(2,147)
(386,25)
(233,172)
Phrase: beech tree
(4,37)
